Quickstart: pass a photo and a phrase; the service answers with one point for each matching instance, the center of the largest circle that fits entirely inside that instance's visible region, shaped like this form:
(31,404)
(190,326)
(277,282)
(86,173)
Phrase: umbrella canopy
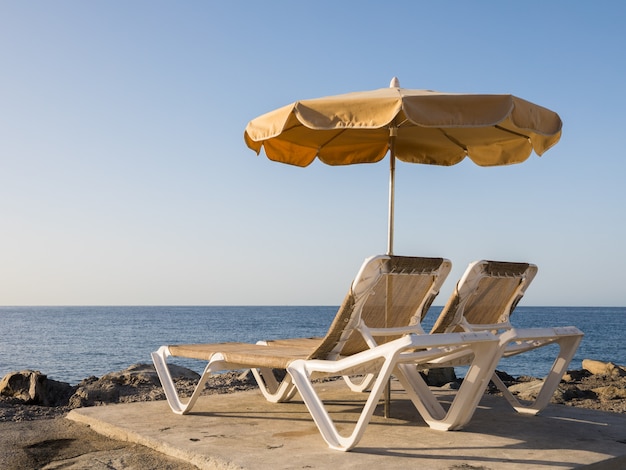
(415,126)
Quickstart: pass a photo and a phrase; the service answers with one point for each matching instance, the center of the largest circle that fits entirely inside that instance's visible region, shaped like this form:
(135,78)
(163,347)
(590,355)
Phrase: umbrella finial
(395,83)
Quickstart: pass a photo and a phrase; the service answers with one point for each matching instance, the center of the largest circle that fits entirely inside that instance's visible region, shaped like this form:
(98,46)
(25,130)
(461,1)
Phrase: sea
(69,344)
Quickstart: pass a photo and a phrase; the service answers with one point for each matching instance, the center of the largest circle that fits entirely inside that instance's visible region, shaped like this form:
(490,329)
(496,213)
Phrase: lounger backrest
(485,297)
(390,291)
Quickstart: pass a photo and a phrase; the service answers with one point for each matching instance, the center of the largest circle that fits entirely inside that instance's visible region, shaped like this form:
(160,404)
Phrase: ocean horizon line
(261,305)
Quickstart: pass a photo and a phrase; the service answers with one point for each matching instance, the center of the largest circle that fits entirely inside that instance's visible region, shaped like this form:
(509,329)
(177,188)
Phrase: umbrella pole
(392,186)
(393,131)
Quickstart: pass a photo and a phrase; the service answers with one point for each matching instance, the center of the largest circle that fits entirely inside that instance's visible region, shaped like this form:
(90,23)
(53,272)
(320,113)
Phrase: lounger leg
(420,394)
(384,356)
(486,357)
(360,383)
(173,399)
(301,375)
(273,391)
(568,344)
(465,401)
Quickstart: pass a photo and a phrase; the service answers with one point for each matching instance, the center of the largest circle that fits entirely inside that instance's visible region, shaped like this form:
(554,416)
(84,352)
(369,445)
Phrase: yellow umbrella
(414,126)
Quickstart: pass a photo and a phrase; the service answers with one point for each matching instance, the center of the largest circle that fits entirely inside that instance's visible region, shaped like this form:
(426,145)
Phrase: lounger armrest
(558,331)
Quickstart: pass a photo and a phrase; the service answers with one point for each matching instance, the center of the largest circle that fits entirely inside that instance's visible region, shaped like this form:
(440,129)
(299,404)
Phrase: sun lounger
(401,289)
(484,299)
(392,293)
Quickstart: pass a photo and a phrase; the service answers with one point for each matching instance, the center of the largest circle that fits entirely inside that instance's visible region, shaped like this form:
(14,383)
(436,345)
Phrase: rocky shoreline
(30,395)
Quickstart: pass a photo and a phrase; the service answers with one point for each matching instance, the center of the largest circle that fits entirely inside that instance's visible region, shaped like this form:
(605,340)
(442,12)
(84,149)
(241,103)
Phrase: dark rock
(440,376)
(138,382)
(506,378)
(526,378)
(579,394)
(34,388)
(610,392)
(576,375)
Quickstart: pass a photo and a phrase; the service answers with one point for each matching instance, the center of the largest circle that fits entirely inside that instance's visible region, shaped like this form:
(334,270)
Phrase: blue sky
(124,178)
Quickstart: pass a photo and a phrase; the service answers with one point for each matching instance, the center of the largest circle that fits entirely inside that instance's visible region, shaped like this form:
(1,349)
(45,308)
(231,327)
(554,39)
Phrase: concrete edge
(121,434)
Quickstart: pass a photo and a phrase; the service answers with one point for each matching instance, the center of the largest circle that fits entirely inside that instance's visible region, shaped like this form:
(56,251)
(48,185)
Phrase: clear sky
(125,180)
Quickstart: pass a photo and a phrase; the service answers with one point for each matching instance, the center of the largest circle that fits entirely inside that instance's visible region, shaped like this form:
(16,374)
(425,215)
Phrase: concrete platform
(242,430)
